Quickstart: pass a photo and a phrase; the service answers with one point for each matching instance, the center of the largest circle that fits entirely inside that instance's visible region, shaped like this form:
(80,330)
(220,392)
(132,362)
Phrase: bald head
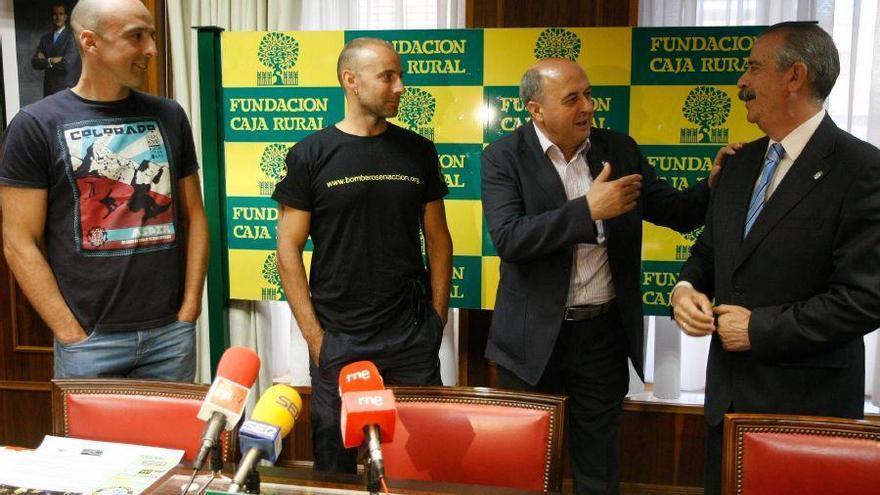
(356,52)
(93,15)
(532,84)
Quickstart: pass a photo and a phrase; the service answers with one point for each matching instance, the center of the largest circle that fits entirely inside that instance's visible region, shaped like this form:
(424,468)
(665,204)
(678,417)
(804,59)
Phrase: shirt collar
(547,145)
(797,139)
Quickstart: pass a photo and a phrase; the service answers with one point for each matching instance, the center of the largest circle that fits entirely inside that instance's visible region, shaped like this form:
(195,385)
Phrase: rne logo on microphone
(357,375)
(371,400)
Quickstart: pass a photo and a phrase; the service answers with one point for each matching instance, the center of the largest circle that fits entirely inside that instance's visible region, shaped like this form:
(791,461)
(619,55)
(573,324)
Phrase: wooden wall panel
(157,80)
(569,13)
(662,446)
(25,409)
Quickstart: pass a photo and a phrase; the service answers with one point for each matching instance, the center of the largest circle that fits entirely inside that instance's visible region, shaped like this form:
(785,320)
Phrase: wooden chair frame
(737,425)
(100,386)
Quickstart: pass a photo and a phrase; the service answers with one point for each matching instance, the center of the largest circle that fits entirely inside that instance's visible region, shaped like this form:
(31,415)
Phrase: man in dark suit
(564,204)
(790,252)
(57,55)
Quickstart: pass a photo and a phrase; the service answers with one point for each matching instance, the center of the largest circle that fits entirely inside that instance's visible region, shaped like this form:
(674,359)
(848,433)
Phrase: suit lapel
(807,171)
(598,153)
(541,167)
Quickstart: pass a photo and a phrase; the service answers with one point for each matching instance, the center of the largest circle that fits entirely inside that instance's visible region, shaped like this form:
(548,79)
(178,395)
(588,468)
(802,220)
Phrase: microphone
(225,401)
(360,376)
(368,412)
(260,437)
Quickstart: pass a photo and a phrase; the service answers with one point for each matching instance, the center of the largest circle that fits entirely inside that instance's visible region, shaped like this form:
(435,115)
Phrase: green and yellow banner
(672,89)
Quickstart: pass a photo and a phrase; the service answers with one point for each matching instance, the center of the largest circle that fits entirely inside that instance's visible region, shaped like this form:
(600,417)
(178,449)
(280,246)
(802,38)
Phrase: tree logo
(417,108)
(693,235)
(278,52)
(683,252)
(557,43)
(708,109)
(270,274)
(274,166)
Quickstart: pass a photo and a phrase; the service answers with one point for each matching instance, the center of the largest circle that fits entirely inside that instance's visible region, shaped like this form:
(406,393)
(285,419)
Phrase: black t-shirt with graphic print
(366,196)
(112,235)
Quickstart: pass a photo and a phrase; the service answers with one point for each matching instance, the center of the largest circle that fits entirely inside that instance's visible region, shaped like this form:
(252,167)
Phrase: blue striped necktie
(774,154)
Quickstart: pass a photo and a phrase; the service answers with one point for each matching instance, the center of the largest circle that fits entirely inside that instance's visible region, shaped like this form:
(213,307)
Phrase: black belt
(587,311)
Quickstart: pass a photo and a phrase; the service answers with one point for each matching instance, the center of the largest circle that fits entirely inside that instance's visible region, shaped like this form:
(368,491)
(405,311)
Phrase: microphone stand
(217,459)
(374,465)
(372,478)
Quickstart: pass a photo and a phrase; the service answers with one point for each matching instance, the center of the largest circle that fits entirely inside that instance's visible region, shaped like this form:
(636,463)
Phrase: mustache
(746,94)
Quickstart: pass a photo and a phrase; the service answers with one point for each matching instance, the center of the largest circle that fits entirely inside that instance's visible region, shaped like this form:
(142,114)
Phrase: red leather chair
(477,436)
(157,414)
(767,454)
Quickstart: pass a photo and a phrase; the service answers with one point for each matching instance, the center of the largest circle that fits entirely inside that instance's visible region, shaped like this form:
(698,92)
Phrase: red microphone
(359,376)
(364,411)
(225,401)
(368,411)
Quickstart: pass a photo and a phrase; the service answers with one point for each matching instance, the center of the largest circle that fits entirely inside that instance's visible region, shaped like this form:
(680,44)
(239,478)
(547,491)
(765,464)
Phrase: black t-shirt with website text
(366,196)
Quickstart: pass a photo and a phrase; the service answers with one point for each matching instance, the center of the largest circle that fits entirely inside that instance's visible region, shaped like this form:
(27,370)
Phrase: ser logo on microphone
(288,404)
(362,375)
(371,400)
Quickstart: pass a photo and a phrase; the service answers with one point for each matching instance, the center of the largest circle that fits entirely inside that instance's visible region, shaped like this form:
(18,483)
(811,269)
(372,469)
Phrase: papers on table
(71,465)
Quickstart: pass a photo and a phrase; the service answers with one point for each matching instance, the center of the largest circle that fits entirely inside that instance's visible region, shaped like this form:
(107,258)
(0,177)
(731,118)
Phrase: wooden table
(297,481)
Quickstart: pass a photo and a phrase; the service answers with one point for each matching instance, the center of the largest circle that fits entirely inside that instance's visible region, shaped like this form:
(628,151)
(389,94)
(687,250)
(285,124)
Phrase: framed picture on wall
(39,53)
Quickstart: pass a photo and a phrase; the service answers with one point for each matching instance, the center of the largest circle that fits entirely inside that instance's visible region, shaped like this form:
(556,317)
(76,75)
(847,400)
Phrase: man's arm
(438,244)
(293,232)
(681,210)
(39,61)
(521,238)
(195,224)
(62,62)
(24,218)
(691,296)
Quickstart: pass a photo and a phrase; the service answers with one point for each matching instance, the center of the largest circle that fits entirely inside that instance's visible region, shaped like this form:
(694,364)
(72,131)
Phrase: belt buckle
(586,312)
(579,313)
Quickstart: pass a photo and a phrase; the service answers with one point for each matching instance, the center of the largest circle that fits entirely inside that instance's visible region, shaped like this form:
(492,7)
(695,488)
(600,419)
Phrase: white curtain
(264,326)
(249,322)
(854,105)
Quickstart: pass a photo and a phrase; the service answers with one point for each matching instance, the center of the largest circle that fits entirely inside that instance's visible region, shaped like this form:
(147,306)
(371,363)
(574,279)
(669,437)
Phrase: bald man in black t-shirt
(363,190)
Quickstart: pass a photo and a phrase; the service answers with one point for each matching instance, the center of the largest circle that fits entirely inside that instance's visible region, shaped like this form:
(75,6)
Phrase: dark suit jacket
(809,271)
(65,73)
(535,230)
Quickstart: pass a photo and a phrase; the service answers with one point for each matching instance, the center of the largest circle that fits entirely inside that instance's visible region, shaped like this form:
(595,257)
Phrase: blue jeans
(166,353)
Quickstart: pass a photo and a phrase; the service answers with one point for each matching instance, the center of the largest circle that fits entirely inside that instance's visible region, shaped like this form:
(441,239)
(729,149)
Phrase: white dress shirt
(590,275)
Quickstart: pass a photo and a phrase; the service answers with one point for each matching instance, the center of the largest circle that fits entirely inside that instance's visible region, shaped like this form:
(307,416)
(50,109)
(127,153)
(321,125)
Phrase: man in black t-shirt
(106,178)
(363,189)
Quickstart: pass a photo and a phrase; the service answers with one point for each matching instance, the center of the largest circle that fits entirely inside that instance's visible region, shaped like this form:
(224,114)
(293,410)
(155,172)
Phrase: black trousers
(712,469)
(406,353)
(589,364)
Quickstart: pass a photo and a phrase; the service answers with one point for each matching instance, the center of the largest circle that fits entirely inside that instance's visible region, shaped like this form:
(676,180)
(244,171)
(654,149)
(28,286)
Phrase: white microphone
(227,397)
